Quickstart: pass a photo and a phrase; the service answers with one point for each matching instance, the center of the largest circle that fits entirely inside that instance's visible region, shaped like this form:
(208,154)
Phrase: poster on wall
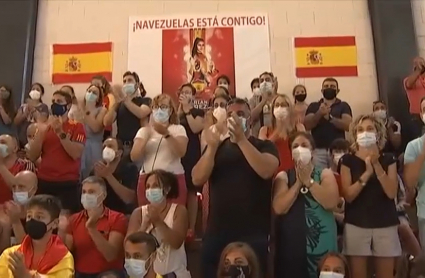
(325,56)
(168,52)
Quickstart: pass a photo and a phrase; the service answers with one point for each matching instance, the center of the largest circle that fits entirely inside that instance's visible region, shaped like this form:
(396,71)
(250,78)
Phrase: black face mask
(237,271)
(329,93)
(58,109)
(301,97)
(36,229)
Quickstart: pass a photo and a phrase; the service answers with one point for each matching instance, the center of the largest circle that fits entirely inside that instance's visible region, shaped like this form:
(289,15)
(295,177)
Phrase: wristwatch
(62,135)
(362,182)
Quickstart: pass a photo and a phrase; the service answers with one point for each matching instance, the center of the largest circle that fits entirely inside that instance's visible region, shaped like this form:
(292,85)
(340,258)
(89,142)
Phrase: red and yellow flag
(78,63)
(325,56)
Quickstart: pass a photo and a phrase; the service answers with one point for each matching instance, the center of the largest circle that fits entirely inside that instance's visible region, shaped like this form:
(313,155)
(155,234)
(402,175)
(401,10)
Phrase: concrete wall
(74,21)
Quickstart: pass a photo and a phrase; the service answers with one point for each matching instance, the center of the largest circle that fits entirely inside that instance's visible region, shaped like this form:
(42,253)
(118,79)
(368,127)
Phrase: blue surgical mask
(161,115)
(4,150)
(58,109)
(154,195)
(21,197)
(91,97)
(129,88)
(135,268)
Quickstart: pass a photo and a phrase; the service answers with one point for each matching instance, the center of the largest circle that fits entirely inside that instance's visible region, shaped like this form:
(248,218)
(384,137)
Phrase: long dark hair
(166,180)
(8,104)
(105,84)
(195,46)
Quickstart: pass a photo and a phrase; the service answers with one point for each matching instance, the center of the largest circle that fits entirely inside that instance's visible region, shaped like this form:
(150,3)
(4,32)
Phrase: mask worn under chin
(58,109)
(36,229)
(237,271)
(301,97)
(329,93)
(135,268)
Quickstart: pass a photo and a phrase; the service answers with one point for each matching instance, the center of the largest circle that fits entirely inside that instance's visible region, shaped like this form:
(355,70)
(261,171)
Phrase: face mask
(301,154)
(329,93)
(129,88)
(5,94)
(380,114)
(36,229)
(161,115)
(58,109)
(423,118)
(27,146)
(280,112)
(337,157)
(266,87)
(220,114)
(366,139)
(237,271)
(89,201)
(4,150)
(91,97)
(301,97)
(224,86)
(135,268)
(34,94)
(21,197)
(154,195)
(330,274)
(108,154)
(243,121)
(256,92)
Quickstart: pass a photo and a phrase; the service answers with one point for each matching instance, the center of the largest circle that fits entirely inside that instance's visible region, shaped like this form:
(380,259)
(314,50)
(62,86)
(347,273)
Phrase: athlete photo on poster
(199,57)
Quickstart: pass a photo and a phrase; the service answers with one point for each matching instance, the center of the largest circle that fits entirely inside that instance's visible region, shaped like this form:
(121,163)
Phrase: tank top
(167,260)
(285,153)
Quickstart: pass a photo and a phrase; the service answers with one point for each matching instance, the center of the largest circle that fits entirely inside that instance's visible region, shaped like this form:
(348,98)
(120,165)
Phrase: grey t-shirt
(265,118)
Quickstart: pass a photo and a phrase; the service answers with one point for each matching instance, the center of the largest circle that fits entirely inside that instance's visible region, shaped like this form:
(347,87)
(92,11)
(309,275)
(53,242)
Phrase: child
(41,253)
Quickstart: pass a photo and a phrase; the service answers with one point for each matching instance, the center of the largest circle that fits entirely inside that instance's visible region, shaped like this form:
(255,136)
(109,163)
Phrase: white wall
(75,21)
(418,9)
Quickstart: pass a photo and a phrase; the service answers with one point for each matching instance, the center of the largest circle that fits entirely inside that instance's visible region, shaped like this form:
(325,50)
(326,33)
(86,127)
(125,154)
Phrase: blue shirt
(413,150)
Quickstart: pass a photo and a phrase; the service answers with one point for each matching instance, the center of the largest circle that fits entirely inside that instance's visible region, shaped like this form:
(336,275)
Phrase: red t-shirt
(87,258)
(20,165)
(285,153)
(56,164)
(415,94)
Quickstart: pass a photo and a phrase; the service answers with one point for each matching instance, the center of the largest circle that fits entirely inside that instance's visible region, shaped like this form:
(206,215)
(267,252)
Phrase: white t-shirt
(158,154)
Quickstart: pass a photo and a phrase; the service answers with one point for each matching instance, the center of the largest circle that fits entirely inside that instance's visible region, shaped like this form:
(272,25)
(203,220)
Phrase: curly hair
(174,119)
(381,130)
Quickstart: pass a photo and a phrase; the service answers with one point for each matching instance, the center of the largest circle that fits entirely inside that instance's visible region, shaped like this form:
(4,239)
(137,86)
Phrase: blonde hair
(249,254)
(174,119)
(381,131)
(291,114)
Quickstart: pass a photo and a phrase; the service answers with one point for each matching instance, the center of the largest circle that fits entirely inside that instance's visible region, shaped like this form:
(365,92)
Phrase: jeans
(213,245)
(321,158)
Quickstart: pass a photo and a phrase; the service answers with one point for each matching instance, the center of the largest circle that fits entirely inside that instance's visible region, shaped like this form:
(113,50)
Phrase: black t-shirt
(325,132)
(127,174)
(240,200)
(193,152)
(371,208)
(127,123)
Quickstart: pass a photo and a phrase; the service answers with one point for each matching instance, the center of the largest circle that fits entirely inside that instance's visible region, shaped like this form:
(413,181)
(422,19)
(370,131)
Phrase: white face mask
(366,139)
(34,94)
(220,114)
(21,197)
(330,274)
(256,92)
(224,86)
(89,201)
(266,87)
(108,154)
(337,157)
(301,154)
(380,114)
(281,112)
(135,268)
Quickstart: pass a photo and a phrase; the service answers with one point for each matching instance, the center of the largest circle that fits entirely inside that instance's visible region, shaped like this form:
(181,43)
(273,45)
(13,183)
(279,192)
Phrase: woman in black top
(369,184)
(192,119)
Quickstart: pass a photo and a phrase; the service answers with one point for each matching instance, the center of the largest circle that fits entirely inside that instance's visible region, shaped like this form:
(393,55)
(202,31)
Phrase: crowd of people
(289,188)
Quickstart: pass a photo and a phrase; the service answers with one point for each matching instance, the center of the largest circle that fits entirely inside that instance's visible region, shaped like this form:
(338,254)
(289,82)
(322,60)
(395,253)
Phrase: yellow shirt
(64,269)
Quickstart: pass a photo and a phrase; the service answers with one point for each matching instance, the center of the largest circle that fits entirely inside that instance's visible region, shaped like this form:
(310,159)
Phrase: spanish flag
(78,63)
(325,56)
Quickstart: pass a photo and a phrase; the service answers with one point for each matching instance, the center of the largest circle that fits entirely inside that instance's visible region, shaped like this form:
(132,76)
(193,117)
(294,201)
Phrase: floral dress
(303,235)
